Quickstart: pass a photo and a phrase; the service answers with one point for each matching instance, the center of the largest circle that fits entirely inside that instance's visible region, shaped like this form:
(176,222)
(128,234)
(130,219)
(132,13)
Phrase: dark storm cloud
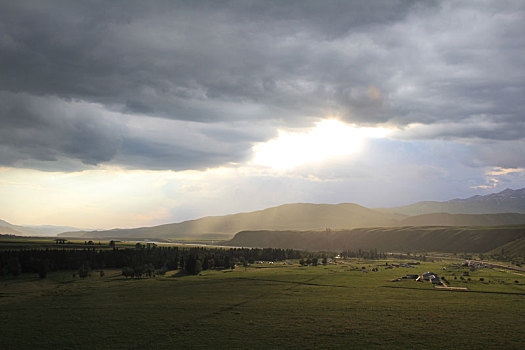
(436,63)
(52,134)
(42,129)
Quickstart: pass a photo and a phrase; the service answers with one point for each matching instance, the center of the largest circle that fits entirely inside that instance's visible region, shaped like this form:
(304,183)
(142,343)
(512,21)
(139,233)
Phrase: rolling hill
(301,216)
(401,239)
(42,230)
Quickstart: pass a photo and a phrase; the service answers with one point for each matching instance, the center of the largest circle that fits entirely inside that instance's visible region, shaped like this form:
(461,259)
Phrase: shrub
(127,271)
(14,267)
(83,270)
(42,269)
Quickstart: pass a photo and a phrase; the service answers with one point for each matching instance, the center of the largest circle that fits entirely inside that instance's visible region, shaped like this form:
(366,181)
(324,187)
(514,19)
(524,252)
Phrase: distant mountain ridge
(42,230)
(506,201)
(300,216)
(504,208)
(446,219)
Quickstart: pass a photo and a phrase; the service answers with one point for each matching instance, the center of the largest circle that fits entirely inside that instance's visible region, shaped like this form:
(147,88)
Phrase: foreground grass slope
(273,306)
(443,239)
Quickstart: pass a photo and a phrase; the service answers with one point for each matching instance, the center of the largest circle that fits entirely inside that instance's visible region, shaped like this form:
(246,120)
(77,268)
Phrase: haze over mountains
(306,216)
(504,208)
(506,201)
(41,230)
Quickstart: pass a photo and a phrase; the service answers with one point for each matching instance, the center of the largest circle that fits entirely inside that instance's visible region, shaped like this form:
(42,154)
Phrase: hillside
(507,201)
(513,248)
(6,230)
(43,230)
(445,219)
(402,239)
(300,216)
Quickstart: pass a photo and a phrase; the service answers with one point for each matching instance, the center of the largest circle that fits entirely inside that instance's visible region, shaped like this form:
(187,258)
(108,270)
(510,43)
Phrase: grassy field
(266,306)
(14,243)
(7,243)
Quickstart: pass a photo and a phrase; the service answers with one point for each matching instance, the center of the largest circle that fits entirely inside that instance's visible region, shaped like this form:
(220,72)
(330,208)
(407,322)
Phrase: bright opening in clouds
(330,138)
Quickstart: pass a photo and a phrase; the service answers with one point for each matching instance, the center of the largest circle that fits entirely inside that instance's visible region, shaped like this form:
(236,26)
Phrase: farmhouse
(427,275)
(435,279)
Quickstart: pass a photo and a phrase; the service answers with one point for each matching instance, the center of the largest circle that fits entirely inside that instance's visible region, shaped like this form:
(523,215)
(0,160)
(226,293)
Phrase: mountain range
(504,208)
(307,216)
(42,230)
(506,201)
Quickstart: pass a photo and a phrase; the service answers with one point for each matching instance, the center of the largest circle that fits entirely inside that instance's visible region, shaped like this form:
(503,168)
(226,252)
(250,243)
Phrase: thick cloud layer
(87,83)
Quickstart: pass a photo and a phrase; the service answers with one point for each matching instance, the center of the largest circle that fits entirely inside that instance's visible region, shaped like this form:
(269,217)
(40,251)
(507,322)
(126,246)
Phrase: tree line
(371,254)
(142,260)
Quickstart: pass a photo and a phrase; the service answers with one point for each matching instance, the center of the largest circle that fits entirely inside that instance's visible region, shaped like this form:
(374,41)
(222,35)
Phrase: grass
(14,243)
(265,306)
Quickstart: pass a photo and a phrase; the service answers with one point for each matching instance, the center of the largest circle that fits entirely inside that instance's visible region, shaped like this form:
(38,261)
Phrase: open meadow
(267,306)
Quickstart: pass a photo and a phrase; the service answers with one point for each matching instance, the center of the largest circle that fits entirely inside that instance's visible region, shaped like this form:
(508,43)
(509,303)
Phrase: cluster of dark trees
(314,261)
(372,254)
(518,260)
(143,260)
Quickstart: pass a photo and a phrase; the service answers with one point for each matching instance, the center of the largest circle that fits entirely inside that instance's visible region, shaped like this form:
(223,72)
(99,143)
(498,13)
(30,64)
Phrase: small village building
(426,276)
(435,280)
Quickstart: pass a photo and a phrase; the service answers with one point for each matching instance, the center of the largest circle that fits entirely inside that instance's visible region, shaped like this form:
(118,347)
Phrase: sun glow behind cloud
(329,139)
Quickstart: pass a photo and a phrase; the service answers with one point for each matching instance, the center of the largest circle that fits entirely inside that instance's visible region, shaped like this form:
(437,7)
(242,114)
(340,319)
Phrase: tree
(43,267)
(127,271)
(227,262)
(149,269)
(14,267)
(198,267)
(206,263)
(112,244)
(83,270)
(138,270)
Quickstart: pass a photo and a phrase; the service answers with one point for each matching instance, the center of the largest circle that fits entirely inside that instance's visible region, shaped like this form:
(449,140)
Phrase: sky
(137,113)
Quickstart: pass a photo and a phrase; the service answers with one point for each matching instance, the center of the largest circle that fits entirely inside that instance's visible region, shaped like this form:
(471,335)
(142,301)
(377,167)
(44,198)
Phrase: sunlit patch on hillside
(329,139)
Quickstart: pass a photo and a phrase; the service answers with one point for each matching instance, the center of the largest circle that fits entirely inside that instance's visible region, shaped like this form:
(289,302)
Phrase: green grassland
(265,307)
(19,242)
